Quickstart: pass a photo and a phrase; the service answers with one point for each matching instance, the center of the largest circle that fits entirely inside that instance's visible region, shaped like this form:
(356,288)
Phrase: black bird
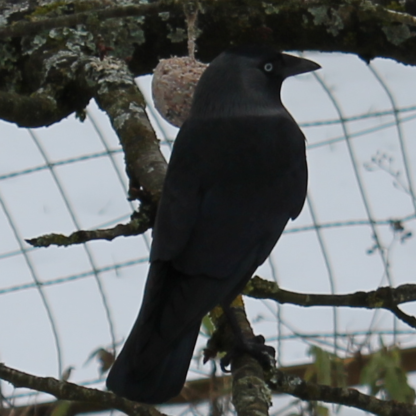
(237,174)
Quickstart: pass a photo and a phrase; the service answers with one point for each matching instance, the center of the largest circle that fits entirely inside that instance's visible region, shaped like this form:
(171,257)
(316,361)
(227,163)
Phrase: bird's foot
(256,347)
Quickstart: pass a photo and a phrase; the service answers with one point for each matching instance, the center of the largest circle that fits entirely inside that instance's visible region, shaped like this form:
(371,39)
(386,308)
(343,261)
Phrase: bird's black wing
(232,185)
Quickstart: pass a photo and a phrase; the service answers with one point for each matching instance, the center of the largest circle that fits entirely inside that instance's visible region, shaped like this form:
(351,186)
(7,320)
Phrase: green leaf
(327,368)
(322,365)
(208,325)
(395,380)
(322,410)
(385,373)
(373,372)
(61,408)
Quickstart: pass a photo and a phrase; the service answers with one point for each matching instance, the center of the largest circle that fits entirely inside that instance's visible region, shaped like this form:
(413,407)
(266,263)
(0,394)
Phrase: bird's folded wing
(231,187)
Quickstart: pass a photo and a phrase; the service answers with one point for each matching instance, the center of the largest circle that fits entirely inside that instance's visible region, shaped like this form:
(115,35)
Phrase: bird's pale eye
(268,67)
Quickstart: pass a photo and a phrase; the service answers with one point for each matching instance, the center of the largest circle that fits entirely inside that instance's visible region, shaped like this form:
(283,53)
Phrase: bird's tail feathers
(164,381)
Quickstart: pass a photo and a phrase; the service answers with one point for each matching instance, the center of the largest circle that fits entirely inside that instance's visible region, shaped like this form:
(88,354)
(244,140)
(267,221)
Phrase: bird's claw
(256,347)
(209,354)
(226,361)
(265,354)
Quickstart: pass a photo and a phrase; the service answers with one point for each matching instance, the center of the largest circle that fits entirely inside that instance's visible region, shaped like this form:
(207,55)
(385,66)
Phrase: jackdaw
(237,174)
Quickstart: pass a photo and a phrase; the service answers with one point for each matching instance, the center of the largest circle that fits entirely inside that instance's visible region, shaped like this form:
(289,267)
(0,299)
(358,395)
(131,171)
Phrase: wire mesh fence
(59,305)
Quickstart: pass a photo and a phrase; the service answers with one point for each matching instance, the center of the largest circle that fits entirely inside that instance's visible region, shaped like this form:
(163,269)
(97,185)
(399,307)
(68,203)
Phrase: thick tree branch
(251,396)
(117,94)
(58,92)
(324,25)
(383,298)
(160,31)
(96,11)
(70,77)
(25,28)
(40,109)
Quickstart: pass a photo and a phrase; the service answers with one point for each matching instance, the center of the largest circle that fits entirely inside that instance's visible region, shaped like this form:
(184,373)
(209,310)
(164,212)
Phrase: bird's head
(246,80)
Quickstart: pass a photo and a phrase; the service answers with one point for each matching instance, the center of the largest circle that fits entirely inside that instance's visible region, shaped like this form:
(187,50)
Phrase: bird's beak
(293,65)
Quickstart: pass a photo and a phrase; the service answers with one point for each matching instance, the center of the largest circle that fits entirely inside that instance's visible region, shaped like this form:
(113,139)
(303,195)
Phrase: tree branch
(250,394)
(38,110)
(117,94)
(139,224)
(132,228)
(64,390)
(383,298)
(25,28)
(323,25)
(344,396)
